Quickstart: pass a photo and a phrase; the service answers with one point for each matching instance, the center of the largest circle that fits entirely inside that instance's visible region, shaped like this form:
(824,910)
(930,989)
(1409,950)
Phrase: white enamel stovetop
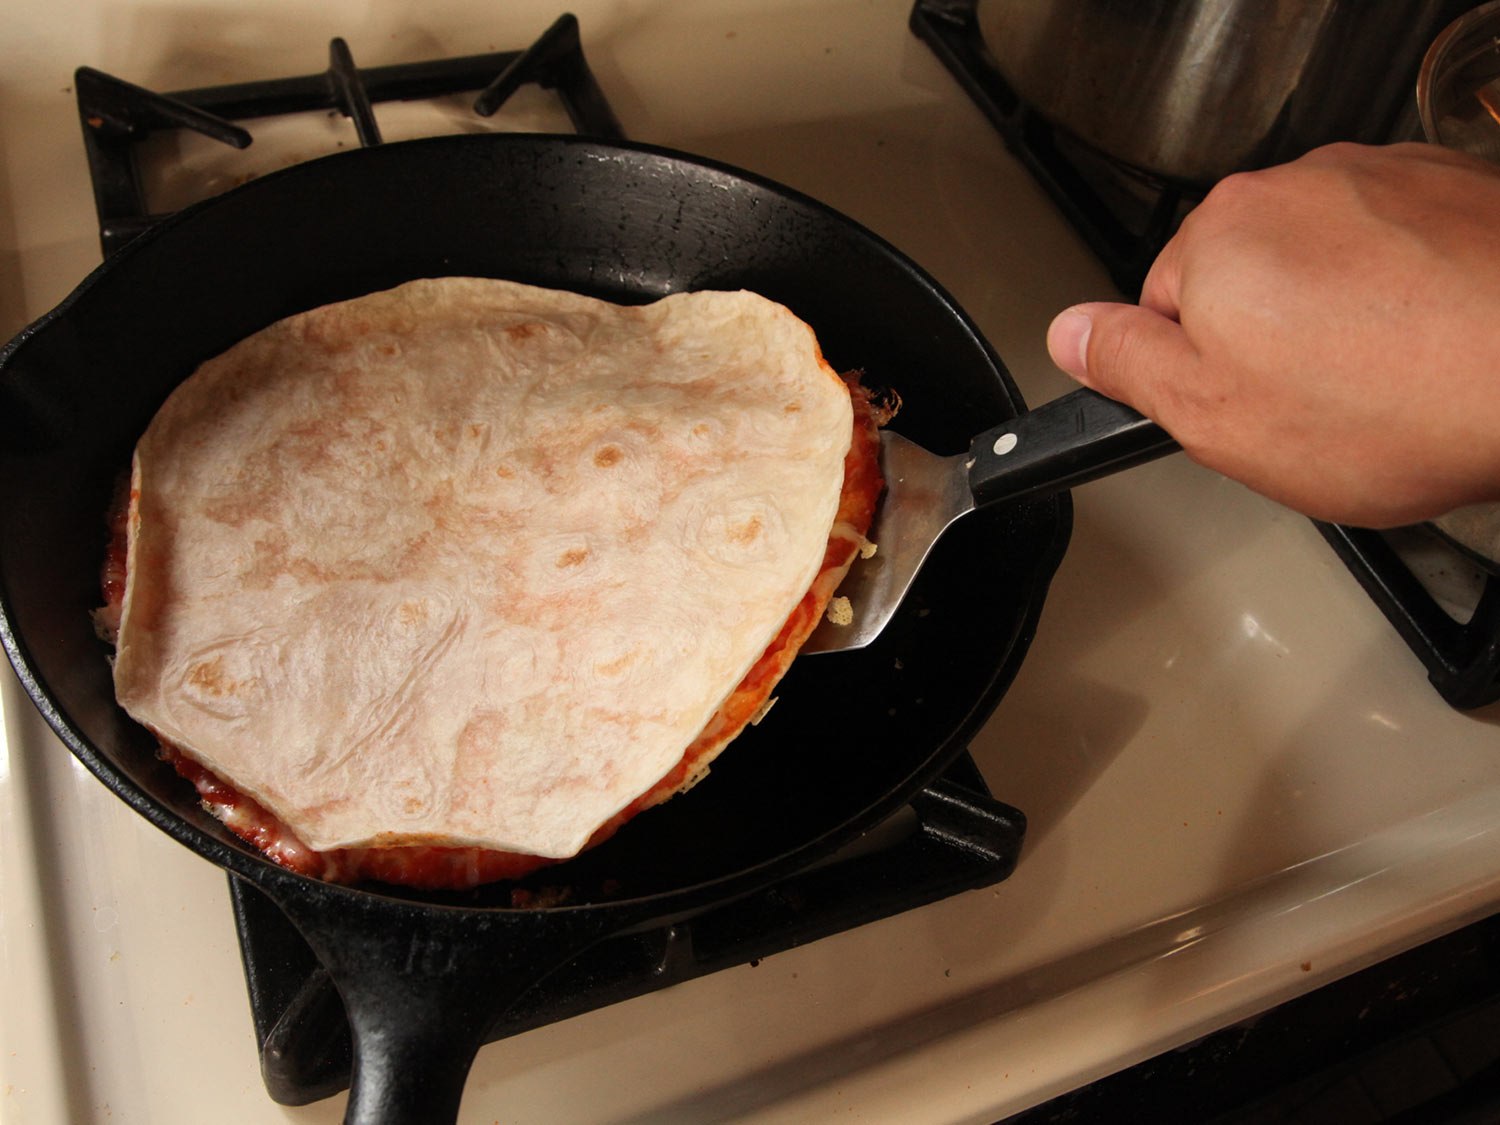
(1239,783)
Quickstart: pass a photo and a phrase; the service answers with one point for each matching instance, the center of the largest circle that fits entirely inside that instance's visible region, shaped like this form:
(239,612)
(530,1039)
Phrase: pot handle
(422,986)
(1071,440)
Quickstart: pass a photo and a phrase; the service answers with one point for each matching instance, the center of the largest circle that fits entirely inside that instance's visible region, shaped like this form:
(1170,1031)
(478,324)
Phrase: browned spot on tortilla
(471,763)
(616,666)
(272,559)
(237,508)
(208,675)
(574,557)
(608,455)
(305,570)
(526,330)
(747,532)
(443,507)
(648,430)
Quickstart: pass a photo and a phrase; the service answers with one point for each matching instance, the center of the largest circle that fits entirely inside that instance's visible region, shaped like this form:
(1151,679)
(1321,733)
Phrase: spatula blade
(924,493)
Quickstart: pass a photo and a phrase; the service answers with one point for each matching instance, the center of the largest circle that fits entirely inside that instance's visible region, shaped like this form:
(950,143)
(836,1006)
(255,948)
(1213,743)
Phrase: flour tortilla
(469,562)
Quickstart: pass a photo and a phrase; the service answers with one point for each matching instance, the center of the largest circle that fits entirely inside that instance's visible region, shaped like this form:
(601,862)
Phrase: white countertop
(1239,783)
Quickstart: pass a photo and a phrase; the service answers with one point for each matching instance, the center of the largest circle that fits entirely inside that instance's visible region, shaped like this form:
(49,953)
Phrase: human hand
(1326,331)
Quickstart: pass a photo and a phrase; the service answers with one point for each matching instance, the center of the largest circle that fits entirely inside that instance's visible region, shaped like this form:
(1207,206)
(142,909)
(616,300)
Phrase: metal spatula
(1073,439)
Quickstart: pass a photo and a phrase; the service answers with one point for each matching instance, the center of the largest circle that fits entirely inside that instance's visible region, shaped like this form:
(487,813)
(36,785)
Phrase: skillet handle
(422,987)
(1070,440)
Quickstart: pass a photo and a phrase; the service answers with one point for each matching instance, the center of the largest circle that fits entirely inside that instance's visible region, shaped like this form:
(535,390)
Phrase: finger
(1126,352)
(1068,341)
(1161,292)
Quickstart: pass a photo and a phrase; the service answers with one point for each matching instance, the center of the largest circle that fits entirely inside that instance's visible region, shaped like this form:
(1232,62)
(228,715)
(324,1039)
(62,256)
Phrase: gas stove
(1237,782)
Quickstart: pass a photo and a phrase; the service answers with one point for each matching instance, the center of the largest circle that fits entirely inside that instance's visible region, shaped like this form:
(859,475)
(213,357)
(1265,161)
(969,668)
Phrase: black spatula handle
(1076,438)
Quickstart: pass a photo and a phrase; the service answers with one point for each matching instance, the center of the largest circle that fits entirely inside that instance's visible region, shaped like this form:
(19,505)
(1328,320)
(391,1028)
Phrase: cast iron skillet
(853,737)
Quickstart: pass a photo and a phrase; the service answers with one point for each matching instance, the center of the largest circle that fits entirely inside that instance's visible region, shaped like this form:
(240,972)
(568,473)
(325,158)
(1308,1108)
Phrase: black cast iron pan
(853,737)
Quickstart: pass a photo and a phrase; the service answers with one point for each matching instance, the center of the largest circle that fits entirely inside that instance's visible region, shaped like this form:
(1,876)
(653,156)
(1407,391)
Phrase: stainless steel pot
(1191,90)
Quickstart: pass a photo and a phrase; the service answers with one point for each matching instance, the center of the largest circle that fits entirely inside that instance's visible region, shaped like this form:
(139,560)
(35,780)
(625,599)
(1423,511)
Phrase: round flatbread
(469,563)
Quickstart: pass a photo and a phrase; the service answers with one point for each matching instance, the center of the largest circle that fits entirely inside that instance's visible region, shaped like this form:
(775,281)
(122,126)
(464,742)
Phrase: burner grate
(117,116)
(952,838)
(1462,658)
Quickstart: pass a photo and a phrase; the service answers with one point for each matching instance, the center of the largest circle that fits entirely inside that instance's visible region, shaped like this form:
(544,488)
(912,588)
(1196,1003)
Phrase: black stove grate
(118,116)
(952,837)
(1126,216)
(1462,658)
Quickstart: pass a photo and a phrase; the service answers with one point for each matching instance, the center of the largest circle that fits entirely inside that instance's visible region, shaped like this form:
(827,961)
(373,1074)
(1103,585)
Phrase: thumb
(1126,352)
